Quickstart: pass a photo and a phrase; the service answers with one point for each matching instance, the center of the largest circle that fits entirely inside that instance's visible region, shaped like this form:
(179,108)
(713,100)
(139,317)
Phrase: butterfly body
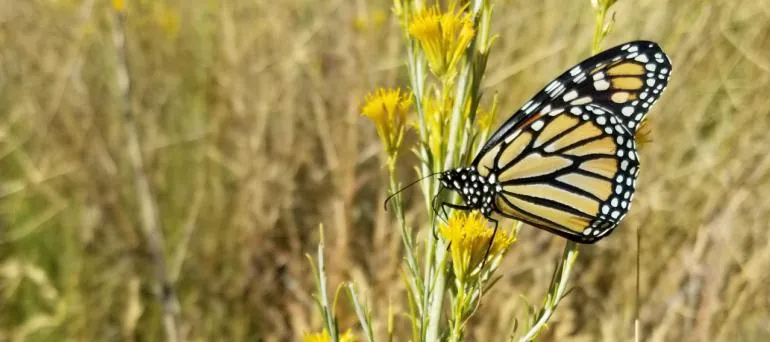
(566,162)
(478,192)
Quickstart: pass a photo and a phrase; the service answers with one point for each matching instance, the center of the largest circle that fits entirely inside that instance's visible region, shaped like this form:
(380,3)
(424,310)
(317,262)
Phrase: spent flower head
(443,36)
(469,238)
(643,134)
(388,109)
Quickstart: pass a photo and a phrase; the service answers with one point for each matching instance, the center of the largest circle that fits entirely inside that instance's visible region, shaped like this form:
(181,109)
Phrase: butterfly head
(477,191)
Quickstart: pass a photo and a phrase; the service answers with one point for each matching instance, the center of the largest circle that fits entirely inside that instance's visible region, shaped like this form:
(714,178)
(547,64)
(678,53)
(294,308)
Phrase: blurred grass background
(247,114)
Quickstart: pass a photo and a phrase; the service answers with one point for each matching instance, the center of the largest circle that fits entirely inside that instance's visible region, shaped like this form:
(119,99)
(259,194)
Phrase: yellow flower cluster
(469,237)
(388,109)
(443,36)
(324,336)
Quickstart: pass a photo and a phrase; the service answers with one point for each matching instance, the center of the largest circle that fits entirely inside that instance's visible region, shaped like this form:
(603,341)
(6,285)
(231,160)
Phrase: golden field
(202,143)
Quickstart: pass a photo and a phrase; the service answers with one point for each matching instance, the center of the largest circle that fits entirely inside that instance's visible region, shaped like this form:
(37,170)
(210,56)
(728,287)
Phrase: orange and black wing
(571,172)
(626,80)
(567,161)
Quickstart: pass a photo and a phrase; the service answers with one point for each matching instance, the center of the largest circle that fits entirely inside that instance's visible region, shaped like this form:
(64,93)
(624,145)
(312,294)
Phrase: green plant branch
(331,323)
(364,316)
(406,233)
(416,68)
(464,79)
(556,292)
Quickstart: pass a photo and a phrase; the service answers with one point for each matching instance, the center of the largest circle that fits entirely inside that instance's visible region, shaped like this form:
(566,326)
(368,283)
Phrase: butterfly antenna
(404,188)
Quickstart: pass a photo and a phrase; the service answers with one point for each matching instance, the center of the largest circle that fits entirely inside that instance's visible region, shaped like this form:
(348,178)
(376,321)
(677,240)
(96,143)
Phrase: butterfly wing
(567,161)
(571,172)
(626,80)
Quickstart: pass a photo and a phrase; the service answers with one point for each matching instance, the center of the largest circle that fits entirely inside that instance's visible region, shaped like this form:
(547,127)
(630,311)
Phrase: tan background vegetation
(248,120)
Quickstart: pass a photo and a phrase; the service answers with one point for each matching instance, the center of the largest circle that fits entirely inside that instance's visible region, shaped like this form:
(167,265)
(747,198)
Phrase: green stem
(458,311)
(406,233)
(417,69)
(437,292)
(456,120)
(364,317)
(557,290)
(331,324)
(452,156)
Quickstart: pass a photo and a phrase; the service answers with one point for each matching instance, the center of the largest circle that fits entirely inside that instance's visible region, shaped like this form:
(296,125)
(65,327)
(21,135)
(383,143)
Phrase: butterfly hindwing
(571,172)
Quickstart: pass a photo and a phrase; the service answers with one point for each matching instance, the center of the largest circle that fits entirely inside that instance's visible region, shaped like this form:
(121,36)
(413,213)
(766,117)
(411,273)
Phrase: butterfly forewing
(625,80)
(567,161)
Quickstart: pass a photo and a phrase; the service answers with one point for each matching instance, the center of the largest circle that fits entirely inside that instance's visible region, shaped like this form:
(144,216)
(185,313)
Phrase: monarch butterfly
(566,162)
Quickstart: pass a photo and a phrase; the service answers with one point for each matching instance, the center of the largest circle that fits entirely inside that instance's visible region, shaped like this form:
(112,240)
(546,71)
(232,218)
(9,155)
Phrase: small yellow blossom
(119,5)
(168,20)
(388,109)
(443,36)
(469,237)
(324,336)
(643,134)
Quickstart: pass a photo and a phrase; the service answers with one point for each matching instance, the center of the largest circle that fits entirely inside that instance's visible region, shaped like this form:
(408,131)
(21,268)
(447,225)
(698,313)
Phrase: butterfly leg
(444,205)
(492,240)
(434,206)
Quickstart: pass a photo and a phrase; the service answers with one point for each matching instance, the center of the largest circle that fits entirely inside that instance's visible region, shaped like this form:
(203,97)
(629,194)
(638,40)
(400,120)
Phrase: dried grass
(248,120)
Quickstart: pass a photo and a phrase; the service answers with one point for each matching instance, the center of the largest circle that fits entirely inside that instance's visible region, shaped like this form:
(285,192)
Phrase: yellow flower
(643,134)
(119,5)
(324,336)
(469,237)
(168,20)
(388,108)
(443,36)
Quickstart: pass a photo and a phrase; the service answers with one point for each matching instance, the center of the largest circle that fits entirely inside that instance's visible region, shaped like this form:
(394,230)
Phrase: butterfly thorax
(477,192)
